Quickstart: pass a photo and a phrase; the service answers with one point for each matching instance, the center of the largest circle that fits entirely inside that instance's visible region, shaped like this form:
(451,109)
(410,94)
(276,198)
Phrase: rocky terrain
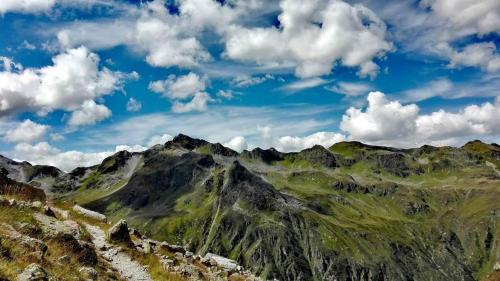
(348,212)
(41,241)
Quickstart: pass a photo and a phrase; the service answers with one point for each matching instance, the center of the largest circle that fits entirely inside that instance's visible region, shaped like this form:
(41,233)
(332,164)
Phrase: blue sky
(80,80)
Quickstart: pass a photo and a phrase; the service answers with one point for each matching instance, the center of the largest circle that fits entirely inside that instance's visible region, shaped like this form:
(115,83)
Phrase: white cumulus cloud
(392,123)
(159,139)
(182,88)
(89,114)
(313,36)
(238,144)
(44,153)
(69,84)
(27,131)
(291,143)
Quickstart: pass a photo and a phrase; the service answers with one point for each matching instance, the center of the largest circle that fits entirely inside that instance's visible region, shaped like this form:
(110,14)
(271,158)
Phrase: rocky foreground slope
(40,242)
(349,212)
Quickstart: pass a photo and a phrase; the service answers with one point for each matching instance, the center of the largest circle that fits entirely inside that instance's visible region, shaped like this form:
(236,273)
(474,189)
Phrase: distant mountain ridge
(348,212)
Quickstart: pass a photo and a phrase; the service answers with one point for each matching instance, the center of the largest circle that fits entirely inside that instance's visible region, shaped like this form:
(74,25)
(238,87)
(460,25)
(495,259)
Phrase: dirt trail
(120,261)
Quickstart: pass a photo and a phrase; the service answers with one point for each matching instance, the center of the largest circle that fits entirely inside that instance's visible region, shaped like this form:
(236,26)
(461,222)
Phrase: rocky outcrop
(53,227)
(267,156)
(119,233)
(34,272)
(22,190)
(243,185)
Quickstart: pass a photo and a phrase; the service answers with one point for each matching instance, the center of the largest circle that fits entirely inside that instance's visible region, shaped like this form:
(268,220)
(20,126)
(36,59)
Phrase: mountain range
(348,212)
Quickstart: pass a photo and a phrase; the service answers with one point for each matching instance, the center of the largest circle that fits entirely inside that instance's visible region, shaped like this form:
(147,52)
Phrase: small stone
(12,202)
(34,272)
(36,204)
(188,254)
(146,246)
(89,272)
(179,255)
(64,259)
(496,267)
(48,212)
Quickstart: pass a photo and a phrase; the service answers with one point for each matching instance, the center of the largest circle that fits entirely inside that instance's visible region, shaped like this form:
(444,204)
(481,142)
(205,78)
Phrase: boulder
(120,232)
(223,262)
(36,204)
(34,272)
(172,248)
(89,213)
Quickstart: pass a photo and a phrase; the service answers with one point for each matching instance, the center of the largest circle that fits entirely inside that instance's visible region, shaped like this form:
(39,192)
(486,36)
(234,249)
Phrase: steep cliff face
(350,212)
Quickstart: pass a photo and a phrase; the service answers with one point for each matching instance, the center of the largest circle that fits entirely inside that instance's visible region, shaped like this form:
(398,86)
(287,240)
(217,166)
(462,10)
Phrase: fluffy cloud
(133,148)
(8,65)
(159,139)
(72,82)
(181,87)
(326,139)
(44,153)
(482,17)
(165,39)
(225,94)
(391,123)
(178,89)
(26,6)
(483,55)
(27,131)
(133,105)
(238,143)
(198,103)
(88,114)
(383,119)
(312,37)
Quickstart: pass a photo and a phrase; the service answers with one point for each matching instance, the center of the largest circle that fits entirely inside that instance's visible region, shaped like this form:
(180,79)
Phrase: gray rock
(34,272)
(223,262)
(89,273)
(496,267)
(120,232)
(49,212)
(36,204)
(188,254)
(52,227)
(89,214)
(60,213)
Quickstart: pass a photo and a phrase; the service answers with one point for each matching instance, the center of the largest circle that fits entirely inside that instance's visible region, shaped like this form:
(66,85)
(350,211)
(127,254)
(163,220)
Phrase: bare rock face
(120,232)
(34,272)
